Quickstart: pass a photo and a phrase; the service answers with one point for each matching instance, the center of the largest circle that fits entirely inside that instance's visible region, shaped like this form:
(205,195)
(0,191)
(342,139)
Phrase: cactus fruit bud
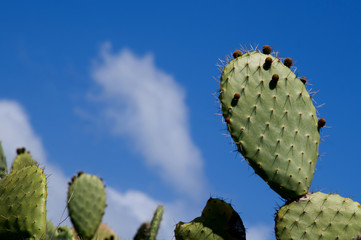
(303,80)
(237,54)
(287,62)
(266,49)
(20,150)
(267,63)
(321,123)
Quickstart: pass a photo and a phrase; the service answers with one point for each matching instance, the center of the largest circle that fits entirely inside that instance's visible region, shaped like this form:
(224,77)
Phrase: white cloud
(15,132)
(260,232)
(148,105)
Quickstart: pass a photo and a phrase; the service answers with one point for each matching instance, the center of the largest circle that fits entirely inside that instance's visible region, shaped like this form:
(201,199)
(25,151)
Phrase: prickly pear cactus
(272,120)
(218,218)
(23,204)
(23,159)
(319,216)
(86,204)
(3,163)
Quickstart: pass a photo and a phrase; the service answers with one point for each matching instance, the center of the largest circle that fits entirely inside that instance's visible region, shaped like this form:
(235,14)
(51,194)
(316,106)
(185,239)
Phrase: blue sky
(124,90)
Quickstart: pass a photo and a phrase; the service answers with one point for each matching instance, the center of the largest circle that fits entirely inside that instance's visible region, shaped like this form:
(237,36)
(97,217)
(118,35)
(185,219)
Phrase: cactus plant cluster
(23,194)
(273,122)
(271,118)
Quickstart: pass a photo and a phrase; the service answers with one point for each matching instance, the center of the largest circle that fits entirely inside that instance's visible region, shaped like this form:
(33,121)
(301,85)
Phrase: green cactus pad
(23,204)
(86,204)
(319,216)
(23,159)
(272,120)
(218,218)
(155,223)
(3,163)
(194,231)
(104,232)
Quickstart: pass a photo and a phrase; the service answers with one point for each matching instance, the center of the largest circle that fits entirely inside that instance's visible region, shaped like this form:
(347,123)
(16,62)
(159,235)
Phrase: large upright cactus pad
(23,204)
(271,118)
(86,204)
(319,216)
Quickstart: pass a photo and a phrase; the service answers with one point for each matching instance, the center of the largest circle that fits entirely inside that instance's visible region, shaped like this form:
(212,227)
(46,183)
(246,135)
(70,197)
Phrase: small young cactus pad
(23,204)
(155,223)
(23,159)
(86,204)
(272,120)
(319,216)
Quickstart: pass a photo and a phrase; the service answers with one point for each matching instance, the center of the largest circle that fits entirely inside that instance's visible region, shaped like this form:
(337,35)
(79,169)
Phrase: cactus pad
(23,204)
(86,204)
(23,159)
(319,216)
(155,223)
(218,218)
(272,120)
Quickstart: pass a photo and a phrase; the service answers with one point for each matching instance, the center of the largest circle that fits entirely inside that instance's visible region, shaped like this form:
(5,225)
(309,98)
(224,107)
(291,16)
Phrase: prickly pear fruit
(23,159)
(155,223)
(3,163)
(86,204)
(104,232)
(23,204)
(319,216)
(272,120)
(143,232)
(218,218)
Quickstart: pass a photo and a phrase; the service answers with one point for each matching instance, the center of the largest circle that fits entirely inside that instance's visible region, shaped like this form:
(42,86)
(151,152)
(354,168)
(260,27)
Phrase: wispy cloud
(16,131)
(148,105)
